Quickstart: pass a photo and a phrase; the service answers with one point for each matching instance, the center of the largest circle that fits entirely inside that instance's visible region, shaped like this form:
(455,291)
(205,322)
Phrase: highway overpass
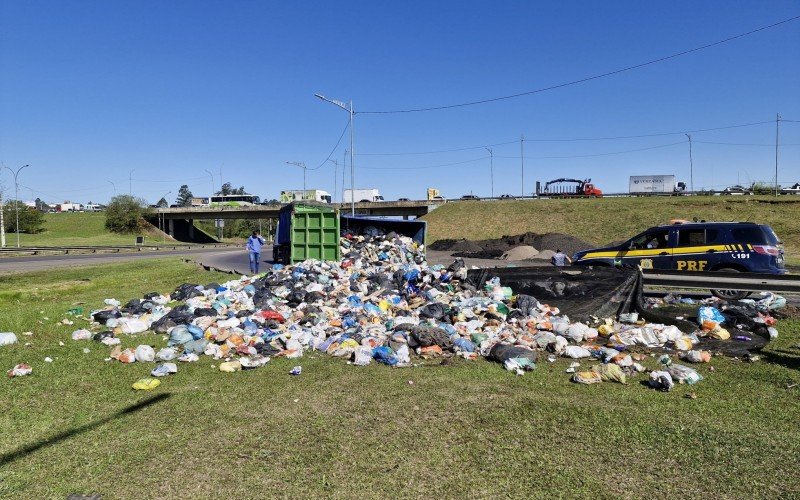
(179,222)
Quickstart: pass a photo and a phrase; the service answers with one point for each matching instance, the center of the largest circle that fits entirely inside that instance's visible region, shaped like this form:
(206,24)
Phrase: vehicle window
(749,234)
(653,239)
(691,237)
(771,236)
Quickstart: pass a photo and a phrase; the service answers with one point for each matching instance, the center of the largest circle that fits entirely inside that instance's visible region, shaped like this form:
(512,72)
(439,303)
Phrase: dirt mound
(550,241)
(522,252)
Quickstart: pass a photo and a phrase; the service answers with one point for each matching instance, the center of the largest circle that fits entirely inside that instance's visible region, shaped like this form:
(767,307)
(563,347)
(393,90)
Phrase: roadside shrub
(125,214)
(30,219)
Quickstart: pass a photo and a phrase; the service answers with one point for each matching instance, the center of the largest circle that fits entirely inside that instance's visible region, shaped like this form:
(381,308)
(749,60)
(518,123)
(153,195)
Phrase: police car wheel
(730,294)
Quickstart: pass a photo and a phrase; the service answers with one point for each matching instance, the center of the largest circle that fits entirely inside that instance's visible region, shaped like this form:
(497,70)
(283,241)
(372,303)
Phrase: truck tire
(730,294)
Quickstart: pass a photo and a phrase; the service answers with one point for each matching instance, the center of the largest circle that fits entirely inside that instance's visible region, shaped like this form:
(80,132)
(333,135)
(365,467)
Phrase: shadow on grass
(20,452)
(784,358)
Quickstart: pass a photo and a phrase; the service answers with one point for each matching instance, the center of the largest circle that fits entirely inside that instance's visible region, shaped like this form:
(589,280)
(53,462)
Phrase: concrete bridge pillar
(171,231)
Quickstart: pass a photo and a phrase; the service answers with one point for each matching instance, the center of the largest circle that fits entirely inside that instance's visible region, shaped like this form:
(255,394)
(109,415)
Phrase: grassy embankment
(600,221)
(341,430)
(78,229)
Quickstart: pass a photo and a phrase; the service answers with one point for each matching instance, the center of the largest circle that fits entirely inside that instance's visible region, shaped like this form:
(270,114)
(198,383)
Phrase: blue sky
(92,90)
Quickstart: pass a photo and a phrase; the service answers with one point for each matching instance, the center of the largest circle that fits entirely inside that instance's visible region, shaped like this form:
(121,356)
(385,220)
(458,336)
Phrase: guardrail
(108,248)
(724,280)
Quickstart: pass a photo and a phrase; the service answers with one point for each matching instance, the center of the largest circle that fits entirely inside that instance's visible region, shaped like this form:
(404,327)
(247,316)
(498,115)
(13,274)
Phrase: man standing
(254,243)
(560,259)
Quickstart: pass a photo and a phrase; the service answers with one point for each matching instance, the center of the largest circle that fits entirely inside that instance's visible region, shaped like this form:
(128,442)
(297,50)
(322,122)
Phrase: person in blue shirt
(254,244)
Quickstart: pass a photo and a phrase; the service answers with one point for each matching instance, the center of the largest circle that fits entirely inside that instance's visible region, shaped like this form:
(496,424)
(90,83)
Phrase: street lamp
(303,166)
(130,182)
(163,221)
(113,186)
(691,165)
(491,168)
(16,195)
(352,149)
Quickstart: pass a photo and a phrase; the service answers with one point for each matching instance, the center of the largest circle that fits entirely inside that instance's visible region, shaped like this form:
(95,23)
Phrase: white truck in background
(655,184)
(362,195)
(307,195)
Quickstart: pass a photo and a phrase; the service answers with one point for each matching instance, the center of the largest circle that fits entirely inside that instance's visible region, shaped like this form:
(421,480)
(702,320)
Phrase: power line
(597,154)
(346,125)
(427,166)
(576,139)
(589,78)
(747,143)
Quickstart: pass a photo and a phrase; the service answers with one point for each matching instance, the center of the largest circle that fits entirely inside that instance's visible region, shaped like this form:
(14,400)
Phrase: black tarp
(580,293)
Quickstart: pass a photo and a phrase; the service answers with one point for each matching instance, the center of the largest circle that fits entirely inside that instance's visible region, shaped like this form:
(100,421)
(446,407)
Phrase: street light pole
(522,164)
(691,165)
(777,135)
(491,168)
(16,195)
(113,186)
(352,148)
(303,166)
(163,234)
(130,182)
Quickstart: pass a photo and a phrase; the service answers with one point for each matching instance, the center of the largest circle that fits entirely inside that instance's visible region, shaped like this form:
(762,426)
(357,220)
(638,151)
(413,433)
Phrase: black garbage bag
(205,311)
(163,324)
(134,306)
(103,316)
(295,298)
(151,295)
(180,316)
(434,310)
(503,352)
(185,291)
(212,286)
(266,349)
(457,265)
(426,336)
(526,304)
(97,337)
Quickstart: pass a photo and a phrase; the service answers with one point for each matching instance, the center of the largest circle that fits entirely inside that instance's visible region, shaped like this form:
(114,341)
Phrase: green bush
(30,219)
(125,214)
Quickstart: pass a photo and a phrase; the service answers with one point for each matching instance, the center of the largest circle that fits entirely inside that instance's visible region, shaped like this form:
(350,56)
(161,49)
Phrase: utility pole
(777,135)
(522,164)
(130,182)
(691,165)
(491,168)
(16,195)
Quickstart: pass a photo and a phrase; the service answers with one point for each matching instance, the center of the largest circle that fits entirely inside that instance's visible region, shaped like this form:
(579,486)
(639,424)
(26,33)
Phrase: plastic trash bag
(7,338)
(384,355)
(363,356)
(179,335)
(230,366)
(684,374)
(166,354)
(19,370)
(696,356)
(130,325)
(661,380)
(588,377)
(610,373)
(164,369)
(576,352)
(710,314)
(522,357)
(146,384)
(145,354)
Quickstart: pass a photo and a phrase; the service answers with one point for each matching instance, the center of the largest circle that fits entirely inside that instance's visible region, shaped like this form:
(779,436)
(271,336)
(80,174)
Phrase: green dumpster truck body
(306,231)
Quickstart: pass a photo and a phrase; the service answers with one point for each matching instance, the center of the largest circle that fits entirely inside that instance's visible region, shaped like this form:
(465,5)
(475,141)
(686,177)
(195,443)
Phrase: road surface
(29,263)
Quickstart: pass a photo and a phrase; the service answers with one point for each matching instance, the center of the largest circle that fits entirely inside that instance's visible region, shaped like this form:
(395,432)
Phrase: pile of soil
(492,249)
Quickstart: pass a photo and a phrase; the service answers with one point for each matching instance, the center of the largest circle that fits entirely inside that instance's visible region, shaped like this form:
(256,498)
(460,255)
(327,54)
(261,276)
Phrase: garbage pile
(527,246)
(384,304)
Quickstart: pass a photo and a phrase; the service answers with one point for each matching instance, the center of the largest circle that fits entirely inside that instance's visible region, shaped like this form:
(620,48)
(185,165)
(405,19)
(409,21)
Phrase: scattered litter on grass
(19,370)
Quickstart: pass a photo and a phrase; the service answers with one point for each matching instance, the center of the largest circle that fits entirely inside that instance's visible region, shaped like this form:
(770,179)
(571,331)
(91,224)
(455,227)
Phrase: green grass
(73,229)
(600,221)
(339,430)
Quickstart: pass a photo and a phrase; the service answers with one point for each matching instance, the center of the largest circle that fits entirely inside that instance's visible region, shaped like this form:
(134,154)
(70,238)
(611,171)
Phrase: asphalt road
(29,263)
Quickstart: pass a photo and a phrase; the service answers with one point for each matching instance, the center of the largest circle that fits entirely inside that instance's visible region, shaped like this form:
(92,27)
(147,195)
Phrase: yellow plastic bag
(720,333)
(610,373)
(590,377)
(146,384)
(230,366)
(605,330)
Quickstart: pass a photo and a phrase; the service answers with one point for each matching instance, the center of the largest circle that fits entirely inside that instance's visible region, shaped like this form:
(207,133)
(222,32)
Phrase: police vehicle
(696,246)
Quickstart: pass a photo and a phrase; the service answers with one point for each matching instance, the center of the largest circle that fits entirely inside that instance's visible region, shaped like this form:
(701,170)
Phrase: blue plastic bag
(710,314)
(383,354)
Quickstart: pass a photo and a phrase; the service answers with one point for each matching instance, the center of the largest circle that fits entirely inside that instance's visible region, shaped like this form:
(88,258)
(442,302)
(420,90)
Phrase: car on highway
(403,199)
(795,189)
(744,247)
(507,197)
(470,197)
(737,190)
